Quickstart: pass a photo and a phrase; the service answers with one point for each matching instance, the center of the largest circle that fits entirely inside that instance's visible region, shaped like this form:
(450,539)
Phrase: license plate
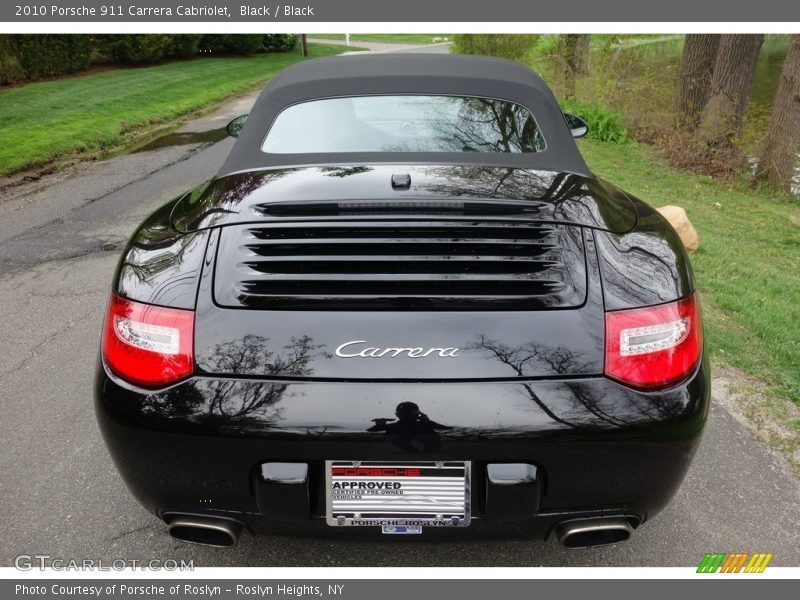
(400,495)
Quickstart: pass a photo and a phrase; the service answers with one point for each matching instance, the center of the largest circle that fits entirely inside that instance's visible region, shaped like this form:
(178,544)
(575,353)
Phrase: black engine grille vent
(383,264)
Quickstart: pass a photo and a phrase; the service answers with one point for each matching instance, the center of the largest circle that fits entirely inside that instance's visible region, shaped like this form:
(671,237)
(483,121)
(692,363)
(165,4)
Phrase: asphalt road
(382,47)
(60,493)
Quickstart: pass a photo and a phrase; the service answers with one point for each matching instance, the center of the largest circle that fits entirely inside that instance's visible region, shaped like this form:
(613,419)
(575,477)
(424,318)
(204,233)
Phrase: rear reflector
(148,345)
(654,346)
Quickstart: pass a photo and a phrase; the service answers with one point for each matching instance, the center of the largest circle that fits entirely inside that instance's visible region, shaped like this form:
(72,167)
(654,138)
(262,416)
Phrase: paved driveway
(381,47)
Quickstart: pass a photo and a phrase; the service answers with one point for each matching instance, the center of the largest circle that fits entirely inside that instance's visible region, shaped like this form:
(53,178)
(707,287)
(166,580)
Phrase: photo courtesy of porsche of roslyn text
(408,299)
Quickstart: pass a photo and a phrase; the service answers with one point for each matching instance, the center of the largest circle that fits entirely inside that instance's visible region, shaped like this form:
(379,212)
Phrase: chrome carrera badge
(353,349)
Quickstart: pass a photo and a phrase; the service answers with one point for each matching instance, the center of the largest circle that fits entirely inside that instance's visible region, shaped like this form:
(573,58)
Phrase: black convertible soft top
(422,74)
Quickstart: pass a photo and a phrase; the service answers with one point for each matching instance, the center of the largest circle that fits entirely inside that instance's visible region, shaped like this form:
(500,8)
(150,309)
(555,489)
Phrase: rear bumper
(599,447)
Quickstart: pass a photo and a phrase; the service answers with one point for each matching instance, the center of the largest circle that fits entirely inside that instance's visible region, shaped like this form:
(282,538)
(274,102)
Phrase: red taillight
(654,346)
(148,345)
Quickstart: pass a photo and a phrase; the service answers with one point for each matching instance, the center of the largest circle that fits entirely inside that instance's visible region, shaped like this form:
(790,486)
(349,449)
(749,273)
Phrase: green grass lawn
(85,114)
(747,266)
(389,38)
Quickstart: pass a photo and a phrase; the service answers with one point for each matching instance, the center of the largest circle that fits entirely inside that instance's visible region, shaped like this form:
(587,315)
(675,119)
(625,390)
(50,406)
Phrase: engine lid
(408,346)
(453,191)
(300,320)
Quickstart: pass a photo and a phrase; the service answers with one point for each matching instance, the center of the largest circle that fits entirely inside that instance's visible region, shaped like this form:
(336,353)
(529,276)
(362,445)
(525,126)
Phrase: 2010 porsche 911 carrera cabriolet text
(404,303)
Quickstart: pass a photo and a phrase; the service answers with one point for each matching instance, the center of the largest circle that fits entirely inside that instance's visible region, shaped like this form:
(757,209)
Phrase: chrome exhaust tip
(206,531)
(590,533)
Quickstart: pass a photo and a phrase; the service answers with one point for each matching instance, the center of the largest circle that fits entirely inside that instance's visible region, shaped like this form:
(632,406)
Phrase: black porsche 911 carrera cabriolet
(405,303)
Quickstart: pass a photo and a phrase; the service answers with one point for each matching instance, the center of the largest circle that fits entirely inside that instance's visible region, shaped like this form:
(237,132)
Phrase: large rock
(681,223)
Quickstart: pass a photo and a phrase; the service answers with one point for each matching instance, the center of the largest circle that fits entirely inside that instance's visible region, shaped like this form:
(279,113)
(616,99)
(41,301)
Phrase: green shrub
(279,42)
(604,125)
(232,43)
(184,46)
(504,45)
(136,48)
(145,48)
(37,56)
(546,45)
(10,69)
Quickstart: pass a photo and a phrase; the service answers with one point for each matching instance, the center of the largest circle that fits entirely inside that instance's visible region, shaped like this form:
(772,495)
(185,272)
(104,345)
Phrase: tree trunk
(582,55)
(779,155)
(574,52)
(566,50)
(730,89)
(694,78)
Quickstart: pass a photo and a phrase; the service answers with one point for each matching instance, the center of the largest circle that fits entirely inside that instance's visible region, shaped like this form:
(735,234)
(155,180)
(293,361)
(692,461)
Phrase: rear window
(404,124)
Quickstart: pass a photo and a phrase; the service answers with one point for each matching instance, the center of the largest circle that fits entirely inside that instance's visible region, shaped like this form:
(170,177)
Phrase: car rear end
(404,366)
